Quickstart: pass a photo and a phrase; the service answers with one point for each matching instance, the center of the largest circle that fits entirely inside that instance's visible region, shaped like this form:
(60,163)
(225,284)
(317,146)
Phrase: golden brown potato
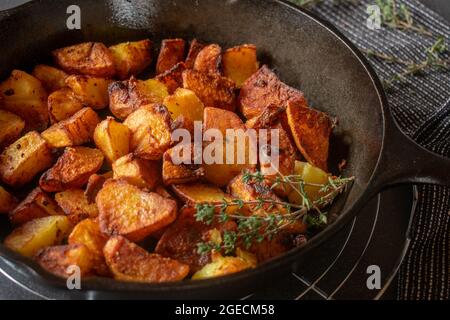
(72,170)
(89,58)
(127,210)
(131,58)
(311,130)
(95,184)
(11,127)
(150,128)
(173,173)
(59,259)
(172,78)
(37,204)
(112,138)
(7,201)
(24,159)
(74,131)
(264,88)
(213,90)
(25,96)
(239,63)
(172,52)
(91,91)
(63,104)
(184,102)
(129,262)
(39,233)
(194,49)
(75,205)
(142,173)
(51,78)
(208,60)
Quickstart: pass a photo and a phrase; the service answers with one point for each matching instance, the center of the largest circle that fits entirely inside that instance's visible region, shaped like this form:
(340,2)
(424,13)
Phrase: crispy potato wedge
(62,104)
(209,59)
(75,205)
(95,184)
(24,159)
(213,90)
(129,262)
(239,63)
(172,52)
(11,126)
(74,131)
(89,58)
(311,130)
(72,170)
(91,91)
(58,260)
(37,234)
(150,128)
(51,78)
(177,173)
(7,201)
(112,138)
(184,102)
(172,78)
(37,204)
(194,49)
(145,174)
(264,88)
(25,96)
(131,58)
(127,210)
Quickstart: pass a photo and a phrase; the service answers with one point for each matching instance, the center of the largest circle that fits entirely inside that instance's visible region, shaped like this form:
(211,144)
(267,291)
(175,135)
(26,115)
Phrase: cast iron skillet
(307,53)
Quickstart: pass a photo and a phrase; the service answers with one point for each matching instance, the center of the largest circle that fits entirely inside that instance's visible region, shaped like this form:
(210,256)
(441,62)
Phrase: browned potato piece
(37,204)
(311,130)
(264,88)
(131,58)
(239,63)
(112,138)
(63,104)
(129,262)
(25,96)
(25,158)
(74,131)
(184,102)
(39,233)
(142,173)
(72,170)
(127,210)
(213,90)
(75,205)
(150,128)
(58,259)
(95,184)
(52,78)
(194,49)
(172,78)
(182,172)
(11,127)
(208,60)
(91,91)
(172,52)
(7,201)
(90,58)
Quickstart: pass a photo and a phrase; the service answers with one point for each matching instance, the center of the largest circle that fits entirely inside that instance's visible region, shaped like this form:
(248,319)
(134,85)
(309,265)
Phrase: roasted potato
(194,49)
(213,90)
(150,128)
(74,131)
(25,96)
(112,138)
(184,102)
(37,234)
(129,262)
(127,210)
(89,58)
(24,159)
(51,78)
(131,58)
(145,174)
(95,184)
(172,78)
(72,170)
(7,201)
(62,104)
(209,59)
(239,63)
(11,126)
(176,173)
(172,52)
(37,204)
(91,91)
(75,205)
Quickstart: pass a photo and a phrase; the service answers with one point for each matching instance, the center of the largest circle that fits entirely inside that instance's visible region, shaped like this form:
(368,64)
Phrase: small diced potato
(95,184)
(75,205)
(131,58)
(37,234)
(7,201)
(172,52)
(142,173)
(91,91)
(126,210)
(89,58)
(37,204)
(208,60)
(177,173)
(239,63)
(112,138)
(62,104)
(11,127)
(150,128)
(24,159)
(184,102)
(195,47)
(52,78)
(72,170)
(25,96)
(172,78)
(74,131)
(311,175)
